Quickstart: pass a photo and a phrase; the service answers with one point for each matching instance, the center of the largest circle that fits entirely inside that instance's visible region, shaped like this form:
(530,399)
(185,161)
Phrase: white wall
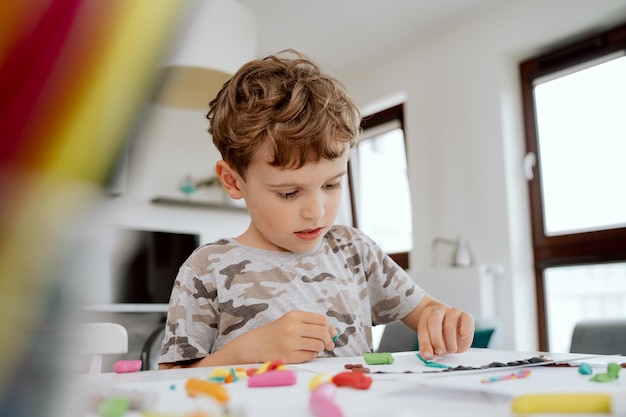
(170,144)
(465,137)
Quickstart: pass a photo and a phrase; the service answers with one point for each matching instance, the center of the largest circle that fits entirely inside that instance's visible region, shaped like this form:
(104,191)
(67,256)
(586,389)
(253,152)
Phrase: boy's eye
(287,196)
(333,186)
(293,194)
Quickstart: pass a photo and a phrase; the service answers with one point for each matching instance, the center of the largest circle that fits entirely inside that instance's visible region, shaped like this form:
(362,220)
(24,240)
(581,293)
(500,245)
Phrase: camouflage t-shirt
(225,289)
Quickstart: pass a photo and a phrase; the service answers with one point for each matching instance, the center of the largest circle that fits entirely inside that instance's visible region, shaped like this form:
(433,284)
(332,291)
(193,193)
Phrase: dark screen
(148,271)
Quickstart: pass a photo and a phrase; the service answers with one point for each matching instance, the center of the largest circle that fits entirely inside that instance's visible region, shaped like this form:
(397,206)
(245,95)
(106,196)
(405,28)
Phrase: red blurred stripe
(23,76)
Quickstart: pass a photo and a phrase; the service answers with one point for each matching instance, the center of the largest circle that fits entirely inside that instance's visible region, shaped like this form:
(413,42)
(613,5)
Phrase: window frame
(576,248)
(368,122)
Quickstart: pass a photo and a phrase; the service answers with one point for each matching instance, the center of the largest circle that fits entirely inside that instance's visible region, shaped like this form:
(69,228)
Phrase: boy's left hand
(441,329)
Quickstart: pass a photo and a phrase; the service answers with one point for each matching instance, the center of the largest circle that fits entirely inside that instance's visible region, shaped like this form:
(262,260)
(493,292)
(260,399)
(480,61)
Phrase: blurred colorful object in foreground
(73,76)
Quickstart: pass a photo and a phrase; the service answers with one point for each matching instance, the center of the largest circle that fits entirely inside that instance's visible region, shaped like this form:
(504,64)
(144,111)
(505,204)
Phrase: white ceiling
(346,34)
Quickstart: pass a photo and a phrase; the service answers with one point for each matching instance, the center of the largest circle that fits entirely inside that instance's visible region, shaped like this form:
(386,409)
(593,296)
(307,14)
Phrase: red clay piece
(356,380)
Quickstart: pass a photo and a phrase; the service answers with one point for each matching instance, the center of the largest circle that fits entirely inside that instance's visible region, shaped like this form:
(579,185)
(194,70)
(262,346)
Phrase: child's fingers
(313,318)
(425,347)
(465,332)
(430,336)
(320,320)
(450,331)
(315,326)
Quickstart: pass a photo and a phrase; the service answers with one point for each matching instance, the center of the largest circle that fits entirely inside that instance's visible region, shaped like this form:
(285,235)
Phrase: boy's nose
(313,208)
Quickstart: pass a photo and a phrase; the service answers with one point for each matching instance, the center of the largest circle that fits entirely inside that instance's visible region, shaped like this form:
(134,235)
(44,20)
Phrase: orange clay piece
(196,387)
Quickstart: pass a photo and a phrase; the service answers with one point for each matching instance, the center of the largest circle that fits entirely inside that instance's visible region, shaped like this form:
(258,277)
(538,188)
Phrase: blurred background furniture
(398,337)
(599,336)
(151,349)
(139,319)
(98,339)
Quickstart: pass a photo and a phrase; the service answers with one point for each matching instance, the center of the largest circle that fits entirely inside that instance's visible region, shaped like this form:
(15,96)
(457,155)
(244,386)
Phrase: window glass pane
(580,292)
(382,198)
(582,148)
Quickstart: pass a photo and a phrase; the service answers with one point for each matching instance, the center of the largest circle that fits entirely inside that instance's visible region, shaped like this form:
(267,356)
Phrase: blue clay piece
(585,369)
(431,364)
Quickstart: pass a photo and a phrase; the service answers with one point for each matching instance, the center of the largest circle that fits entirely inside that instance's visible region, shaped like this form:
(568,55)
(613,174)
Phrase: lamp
(216,38)
(462,256)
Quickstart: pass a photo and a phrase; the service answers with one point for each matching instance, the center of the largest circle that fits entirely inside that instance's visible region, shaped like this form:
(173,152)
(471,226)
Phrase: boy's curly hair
(286,100)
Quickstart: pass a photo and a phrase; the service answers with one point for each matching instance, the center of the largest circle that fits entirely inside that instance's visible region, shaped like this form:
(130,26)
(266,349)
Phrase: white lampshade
(216,38)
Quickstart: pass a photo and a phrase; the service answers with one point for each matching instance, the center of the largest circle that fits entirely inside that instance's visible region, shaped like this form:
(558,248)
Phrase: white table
(393,394)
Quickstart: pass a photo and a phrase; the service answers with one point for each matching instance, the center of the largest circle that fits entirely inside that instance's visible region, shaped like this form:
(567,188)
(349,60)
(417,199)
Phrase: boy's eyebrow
(295,184)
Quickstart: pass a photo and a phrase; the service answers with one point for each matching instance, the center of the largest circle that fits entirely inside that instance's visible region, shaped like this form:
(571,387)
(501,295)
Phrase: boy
(293,285)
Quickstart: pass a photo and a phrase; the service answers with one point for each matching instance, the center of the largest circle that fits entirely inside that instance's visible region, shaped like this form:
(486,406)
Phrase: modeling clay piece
(322,401)
(612,373)
(357,367)
(270,366)
(273,378)
(569,403)
(356,380)
(223,375)
(125,366)
(219,375)
(536,359)
(276,364)
(319,379)
(431,364)
(585,369)
(113,407)
(196,387)
(519,375)
(378,358)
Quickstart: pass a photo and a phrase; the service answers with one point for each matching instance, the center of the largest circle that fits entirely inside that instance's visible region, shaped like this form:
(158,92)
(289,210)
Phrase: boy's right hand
(298,336)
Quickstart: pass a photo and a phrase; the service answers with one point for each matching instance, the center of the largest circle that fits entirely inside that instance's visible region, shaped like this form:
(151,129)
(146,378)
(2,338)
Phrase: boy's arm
(440,328)
(297,337)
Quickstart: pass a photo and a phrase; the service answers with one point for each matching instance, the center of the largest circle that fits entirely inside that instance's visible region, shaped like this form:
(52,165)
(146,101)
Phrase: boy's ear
(229,179)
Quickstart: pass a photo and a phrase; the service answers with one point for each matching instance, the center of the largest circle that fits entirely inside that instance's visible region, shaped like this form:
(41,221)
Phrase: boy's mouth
(310,234)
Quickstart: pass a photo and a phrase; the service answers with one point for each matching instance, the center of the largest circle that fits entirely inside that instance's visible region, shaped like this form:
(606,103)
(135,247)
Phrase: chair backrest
(397,337)
(600,336)
(98,339)
(151,349)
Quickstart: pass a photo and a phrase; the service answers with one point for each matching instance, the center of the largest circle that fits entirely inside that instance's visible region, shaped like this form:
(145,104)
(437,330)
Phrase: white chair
(98,339)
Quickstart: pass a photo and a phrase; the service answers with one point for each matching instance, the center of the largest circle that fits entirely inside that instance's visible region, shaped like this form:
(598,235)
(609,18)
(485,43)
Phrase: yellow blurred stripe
(98,120)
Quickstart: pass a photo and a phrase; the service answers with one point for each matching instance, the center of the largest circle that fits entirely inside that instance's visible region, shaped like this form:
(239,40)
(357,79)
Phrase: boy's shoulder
(217,246)
(348,238)
(342,232)
(202,254)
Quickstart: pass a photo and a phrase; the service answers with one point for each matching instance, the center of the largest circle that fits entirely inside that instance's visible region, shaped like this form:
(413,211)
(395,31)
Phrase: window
(574,103)
(379,185)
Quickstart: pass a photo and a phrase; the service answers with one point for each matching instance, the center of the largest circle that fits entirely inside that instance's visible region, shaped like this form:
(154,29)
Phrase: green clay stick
(378,358)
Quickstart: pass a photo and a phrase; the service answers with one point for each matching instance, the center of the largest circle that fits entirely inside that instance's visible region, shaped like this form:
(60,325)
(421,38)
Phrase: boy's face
(291,209)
